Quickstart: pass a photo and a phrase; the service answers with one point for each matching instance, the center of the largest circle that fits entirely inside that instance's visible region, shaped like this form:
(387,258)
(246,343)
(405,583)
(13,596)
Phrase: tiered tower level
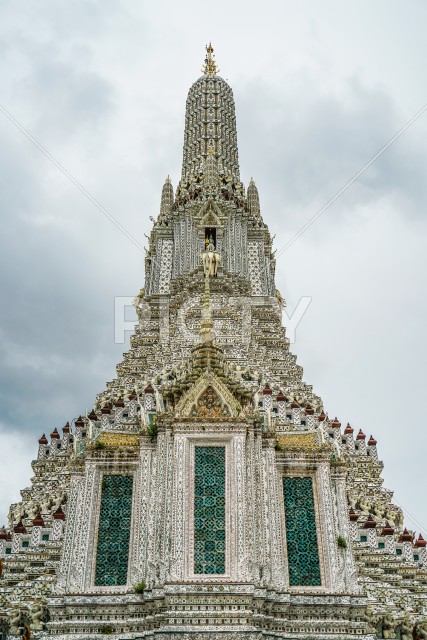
(207,494)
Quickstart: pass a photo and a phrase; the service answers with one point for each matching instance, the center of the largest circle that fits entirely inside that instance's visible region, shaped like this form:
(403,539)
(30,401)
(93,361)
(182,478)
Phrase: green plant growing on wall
(342,542)
(140,587)
(106,629)
(152,430)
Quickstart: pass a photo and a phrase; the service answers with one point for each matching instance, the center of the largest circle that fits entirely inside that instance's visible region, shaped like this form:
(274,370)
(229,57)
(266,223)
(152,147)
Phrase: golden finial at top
(210,67)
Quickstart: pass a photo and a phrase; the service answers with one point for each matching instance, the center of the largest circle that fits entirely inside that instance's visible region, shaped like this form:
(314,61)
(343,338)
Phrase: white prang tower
(207,495)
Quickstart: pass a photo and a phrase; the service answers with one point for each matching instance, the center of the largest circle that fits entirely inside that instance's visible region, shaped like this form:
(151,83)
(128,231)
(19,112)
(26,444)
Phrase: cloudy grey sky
(319,89)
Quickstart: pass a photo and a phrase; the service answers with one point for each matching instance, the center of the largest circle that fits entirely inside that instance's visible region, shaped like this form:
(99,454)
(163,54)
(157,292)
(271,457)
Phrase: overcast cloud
(319,89)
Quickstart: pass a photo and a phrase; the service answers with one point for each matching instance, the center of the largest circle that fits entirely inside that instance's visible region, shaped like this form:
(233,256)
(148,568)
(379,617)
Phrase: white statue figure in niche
(211,259)
(16,514)
(159,400)
(421,630)
(45,504)
(139,304)
(378,511)
(389,625)
(336,449)
(33,510)
(364,505)
(280,300)
(38,612)
(15,621)
(59,499)
(323,435)
(406,628)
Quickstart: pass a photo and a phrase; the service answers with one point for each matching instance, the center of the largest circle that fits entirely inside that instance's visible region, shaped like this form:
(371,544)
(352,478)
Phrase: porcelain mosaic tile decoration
(207,495)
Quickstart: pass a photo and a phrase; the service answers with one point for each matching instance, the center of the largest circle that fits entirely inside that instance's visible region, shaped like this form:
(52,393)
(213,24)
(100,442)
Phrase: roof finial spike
(210,67)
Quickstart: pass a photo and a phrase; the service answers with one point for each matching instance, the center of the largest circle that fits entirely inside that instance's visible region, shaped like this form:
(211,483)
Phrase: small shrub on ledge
(106,630)
(342,542)
(140,587)
(152,431)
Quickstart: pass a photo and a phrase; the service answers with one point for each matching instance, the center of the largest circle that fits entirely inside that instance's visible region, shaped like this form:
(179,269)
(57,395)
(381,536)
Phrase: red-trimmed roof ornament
(294,405)
(348,429)
(119,403)
(309,410)
(267,391)
(43,439)
(38,520)
(92,416)
(55,435)
(370,522)
(20,528)
(387,530)
(105,410)
(149,389)
(405,536)
(372,442)
(281,397)
(352,516)
(322,417)
(59,514)
(66,428)
(336,423)
(360,435)
(420,542)
(79,422)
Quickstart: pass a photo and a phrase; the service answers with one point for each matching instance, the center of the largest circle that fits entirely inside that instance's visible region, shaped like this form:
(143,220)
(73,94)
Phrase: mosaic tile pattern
(301,536)
(114,531)
(209,510)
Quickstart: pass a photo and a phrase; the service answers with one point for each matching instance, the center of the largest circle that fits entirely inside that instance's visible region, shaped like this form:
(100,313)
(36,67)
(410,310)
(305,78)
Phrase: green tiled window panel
(114,531)
(209,510)
(301,535)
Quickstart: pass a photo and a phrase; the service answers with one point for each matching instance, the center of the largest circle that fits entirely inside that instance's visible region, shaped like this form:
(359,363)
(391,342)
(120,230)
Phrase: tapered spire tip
(210,67)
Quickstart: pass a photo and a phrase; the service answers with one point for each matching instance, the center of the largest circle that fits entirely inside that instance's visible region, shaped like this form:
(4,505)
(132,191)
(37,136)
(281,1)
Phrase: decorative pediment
(208,398)
(210,214)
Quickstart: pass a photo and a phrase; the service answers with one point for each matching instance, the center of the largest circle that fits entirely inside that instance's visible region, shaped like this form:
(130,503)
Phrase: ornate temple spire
(166,202)
(210,119)
(253,199)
